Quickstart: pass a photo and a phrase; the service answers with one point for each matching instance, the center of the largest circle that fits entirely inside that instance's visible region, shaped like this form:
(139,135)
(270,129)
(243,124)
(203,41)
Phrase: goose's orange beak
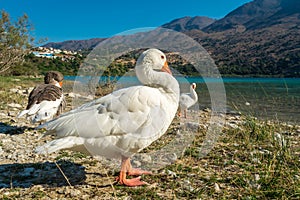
(61,83)
(166,68)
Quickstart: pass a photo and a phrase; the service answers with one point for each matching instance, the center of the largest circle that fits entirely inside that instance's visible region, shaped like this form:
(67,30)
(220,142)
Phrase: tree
(15,41)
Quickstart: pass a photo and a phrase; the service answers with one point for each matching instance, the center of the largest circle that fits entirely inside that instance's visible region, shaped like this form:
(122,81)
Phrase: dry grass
(254,160)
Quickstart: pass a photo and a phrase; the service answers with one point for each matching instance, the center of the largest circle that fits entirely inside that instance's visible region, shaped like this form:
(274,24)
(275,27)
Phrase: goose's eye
(162,57)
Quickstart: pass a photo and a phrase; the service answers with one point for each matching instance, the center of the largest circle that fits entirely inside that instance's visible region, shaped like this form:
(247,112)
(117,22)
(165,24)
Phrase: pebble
(2,114)
(73,95)
(13,113)
(217,188)
(75,193)
(280,139)
(146,158)
(256,177)
(187,185)
(190,126)
(14,90)
(136,163)
(14,105)
(232,125)
(19,91)
(17,152)
(171,173)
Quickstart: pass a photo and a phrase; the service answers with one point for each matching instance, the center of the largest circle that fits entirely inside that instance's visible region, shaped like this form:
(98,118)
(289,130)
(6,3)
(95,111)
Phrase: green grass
(7,83)
(249,162)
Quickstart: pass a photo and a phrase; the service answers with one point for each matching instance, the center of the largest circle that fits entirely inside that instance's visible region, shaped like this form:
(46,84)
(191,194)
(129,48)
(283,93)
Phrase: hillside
(75,45)
(189,23)
(268,51)
(260,38)
(256,11)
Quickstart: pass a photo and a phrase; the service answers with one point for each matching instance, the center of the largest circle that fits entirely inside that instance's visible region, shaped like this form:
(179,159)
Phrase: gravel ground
(73,175)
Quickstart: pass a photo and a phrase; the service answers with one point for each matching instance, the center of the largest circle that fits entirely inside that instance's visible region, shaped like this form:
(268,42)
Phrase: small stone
(29,90)
(86,196)
(171,173)
(172,157)
(234,126)
(192,126)
(73,95)
(207,110)
(256,177)
(22,92)
(60,191)
(6,193)
(256,160)
(146,158)
(14,105)
(75,193)
(136,163)
(14,90)
(217,188)
(187,185)
(3,115)
(280,139)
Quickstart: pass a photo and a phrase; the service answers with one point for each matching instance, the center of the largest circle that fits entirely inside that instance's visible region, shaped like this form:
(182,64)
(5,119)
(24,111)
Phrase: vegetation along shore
(251,159)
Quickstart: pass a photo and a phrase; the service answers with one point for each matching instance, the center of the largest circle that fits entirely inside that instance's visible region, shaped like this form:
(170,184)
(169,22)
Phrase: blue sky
(60,20)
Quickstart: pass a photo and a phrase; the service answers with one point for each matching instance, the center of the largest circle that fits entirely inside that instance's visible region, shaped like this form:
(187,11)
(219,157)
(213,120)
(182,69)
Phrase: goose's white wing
(43,103)
(185,100)
(127,120)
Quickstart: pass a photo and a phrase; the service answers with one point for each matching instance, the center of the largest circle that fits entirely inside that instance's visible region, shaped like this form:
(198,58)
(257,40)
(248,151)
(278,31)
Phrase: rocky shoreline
(65,174)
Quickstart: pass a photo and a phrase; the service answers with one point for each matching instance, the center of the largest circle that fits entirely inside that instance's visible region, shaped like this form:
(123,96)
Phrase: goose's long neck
(153,78)
(193,94)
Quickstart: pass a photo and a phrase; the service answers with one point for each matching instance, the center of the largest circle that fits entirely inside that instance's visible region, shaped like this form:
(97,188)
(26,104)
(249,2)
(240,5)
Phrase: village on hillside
(52,53)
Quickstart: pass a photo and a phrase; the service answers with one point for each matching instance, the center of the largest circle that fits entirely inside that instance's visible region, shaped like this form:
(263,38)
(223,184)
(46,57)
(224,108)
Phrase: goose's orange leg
(126,168)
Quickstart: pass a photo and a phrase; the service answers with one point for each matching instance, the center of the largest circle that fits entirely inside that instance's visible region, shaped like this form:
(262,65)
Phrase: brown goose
(46,100)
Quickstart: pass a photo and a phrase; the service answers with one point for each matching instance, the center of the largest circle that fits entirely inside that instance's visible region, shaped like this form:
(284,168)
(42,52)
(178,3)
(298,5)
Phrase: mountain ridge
(258,38)
(189,23)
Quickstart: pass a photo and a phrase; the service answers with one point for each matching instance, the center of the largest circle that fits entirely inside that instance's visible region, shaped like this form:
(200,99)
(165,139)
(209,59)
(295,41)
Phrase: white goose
(186,100)
(124,122)
(45,100)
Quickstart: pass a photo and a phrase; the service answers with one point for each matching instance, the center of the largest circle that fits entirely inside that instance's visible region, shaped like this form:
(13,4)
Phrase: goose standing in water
(124,122)
(46,100)
(187,100)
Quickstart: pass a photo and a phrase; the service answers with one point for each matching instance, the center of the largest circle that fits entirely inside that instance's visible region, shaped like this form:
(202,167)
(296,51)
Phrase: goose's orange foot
(126,168)
(137,172)
(130,182)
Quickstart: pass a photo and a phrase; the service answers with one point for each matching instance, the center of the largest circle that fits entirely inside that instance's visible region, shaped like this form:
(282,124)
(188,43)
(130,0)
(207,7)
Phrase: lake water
(265,98)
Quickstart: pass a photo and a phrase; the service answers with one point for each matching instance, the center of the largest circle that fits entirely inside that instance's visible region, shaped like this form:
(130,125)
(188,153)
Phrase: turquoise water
(265,98)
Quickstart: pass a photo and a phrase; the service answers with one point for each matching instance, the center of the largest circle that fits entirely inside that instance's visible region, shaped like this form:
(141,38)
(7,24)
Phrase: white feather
(121,123)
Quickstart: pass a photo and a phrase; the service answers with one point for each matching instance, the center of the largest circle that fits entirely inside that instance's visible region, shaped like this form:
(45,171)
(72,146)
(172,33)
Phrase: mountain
(189,23)
(75,45)
(257,10)
(259,38)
